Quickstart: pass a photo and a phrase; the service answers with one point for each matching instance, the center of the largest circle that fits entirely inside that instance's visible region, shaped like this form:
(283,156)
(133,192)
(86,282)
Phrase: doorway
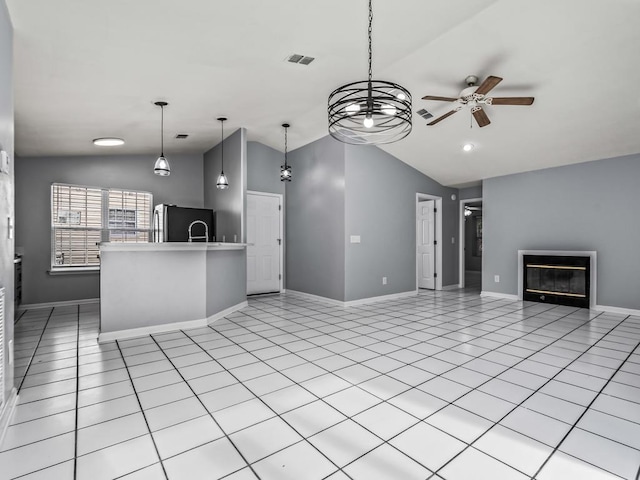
(265,239)
(428,242)
(471,227)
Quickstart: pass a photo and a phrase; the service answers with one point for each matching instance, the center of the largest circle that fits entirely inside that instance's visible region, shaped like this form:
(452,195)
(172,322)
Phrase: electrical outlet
(496,278)
(354,239)
(384,280)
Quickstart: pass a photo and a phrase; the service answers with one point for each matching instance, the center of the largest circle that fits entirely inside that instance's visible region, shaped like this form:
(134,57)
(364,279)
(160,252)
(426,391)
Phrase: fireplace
(563,278)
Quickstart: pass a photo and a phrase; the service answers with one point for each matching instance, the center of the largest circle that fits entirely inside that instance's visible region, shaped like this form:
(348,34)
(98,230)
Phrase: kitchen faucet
(206,231)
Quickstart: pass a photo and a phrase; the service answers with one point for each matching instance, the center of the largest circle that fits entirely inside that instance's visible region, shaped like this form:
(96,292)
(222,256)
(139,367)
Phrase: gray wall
(6,186)
(589,206)
(263,168)
(380,204)
(230,289)
(470,192)
(229,204)
(315,210)
(34,177)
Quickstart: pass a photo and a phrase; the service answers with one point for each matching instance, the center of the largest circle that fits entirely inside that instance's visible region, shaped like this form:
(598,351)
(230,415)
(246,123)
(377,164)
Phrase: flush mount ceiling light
(467,147)
(108,142)
(222,182)
(285,170)
(162,164)
(370,111)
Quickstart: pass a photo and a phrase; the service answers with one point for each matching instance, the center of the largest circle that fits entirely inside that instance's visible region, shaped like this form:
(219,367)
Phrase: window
(82,217)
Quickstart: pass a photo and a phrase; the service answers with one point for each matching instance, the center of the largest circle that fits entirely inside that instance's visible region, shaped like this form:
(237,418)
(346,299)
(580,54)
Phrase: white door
(426,250)
(263,237)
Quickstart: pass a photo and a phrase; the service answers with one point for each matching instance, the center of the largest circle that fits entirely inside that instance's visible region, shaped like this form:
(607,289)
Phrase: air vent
(424,114)
(182,136)
(301,59)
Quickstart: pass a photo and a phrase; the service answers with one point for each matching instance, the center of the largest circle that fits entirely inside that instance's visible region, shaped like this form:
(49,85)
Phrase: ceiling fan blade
(441,99)
(512,100)
(439,119)
(488,85)
(481,117)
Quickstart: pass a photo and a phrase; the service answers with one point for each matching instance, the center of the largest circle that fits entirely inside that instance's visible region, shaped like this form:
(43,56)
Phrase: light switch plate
(4,162)
(355,238)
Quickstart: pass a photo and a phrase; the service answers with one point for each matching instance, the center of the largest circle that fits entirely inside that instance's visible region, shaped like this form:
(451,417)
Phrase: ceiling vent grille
(182,136)
(424,114)
(301,59)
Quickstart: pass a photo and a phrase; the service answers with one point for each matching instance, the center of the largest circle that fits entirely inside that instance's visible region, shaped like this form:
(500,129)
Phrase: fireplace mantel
(560,253)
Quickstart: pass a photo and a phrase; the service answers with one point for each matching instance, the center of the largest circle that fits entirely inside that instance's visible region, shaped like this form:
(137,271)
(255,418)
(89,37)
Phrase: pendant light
(162,164)
(223,182)
(370,111)
(285,170)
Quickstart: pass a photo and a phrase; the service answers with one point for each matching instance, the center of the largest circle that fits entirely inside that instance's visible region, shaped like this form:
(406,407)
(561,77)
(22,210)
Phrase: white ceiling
(93,68)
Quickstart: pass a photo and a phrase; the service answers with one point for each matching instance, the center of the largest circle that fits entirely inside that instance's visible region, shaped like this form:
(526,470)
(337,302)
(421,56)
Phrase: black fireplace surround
(557,279)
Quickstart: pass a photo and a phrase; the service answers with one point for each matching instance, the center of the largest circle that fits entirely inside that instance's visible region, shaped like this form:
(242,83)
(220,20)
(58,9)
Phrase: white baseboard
(145,331)
(623,311)
(310,296)
(353,303)
(382,298)
(228,311)
(66,303)
(167,327)
(453,286)
(7,413)
(503,296)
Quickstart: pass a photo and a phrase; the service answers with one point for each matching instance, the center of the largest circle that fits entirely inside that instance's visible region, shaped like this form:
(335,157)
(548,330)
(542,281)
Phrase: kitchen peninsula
(157,287)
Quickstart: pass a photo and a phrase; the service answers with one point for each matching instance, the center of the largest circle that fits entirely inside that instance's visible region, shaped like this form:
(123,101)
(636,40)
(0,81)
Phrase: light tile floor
(445,385)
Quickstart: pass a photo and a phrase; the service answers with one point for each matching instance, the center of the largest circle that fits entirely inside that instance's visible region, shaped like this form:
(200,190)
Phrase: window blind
(82,217)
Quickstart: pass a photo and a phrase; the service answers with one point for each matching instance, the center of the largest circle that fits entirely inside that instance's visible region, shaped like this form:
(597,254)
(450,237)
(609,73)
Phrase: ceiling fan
(476,97)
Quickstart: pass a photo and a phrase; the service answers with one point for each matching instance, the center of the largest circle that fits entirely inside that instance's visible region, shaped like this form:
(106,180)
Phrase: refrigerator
(178,224)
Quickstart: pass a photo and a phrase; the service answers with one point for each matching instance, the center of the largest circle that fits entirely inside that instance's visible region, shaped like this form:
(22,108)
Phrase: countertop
(170,246)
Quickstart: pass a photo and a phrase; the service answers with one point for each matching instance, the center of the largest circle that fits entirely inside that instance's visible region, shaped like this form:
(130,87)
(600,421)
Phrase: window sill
(74,270)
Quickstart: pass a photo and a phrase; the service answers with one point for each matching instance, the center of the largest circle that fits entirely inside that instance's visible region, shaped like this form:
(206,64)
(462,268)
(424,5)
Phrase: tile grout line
(206,409)
(493,377)
(135,391)
(259,397)
(35,350)
(381,375)
(470,445)
(392,323)
(557,447)
(75,430)
(452,402)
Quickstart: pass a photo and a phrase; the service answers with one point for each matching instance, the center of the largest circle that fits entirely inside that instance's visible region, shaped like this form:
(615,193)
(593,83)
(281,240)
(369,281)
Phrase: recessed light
(108,142)
(467,147)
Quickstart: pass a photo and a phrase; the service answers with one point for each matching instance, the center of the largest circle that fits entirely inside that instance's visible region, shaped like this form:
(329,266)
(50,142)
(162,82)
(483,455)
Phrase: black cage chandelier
(285,170)
(370,111)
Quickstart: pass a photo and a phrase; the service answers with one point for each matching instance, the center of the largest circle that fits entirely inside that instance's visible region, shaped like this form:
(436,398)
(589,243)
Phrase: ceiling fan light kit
(475,98)
(372,112)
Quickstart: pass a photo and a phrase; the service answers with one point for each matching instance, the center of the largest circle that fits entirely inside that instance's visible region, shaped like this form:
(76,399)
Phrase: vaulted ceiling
(87,68)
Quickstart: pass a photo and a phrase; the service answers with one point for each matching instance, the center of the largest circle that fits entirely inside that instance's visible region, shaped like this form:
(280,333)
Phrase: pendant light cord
(285,147)
(370,48)
(222,147)
(370,86)
(162,130)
